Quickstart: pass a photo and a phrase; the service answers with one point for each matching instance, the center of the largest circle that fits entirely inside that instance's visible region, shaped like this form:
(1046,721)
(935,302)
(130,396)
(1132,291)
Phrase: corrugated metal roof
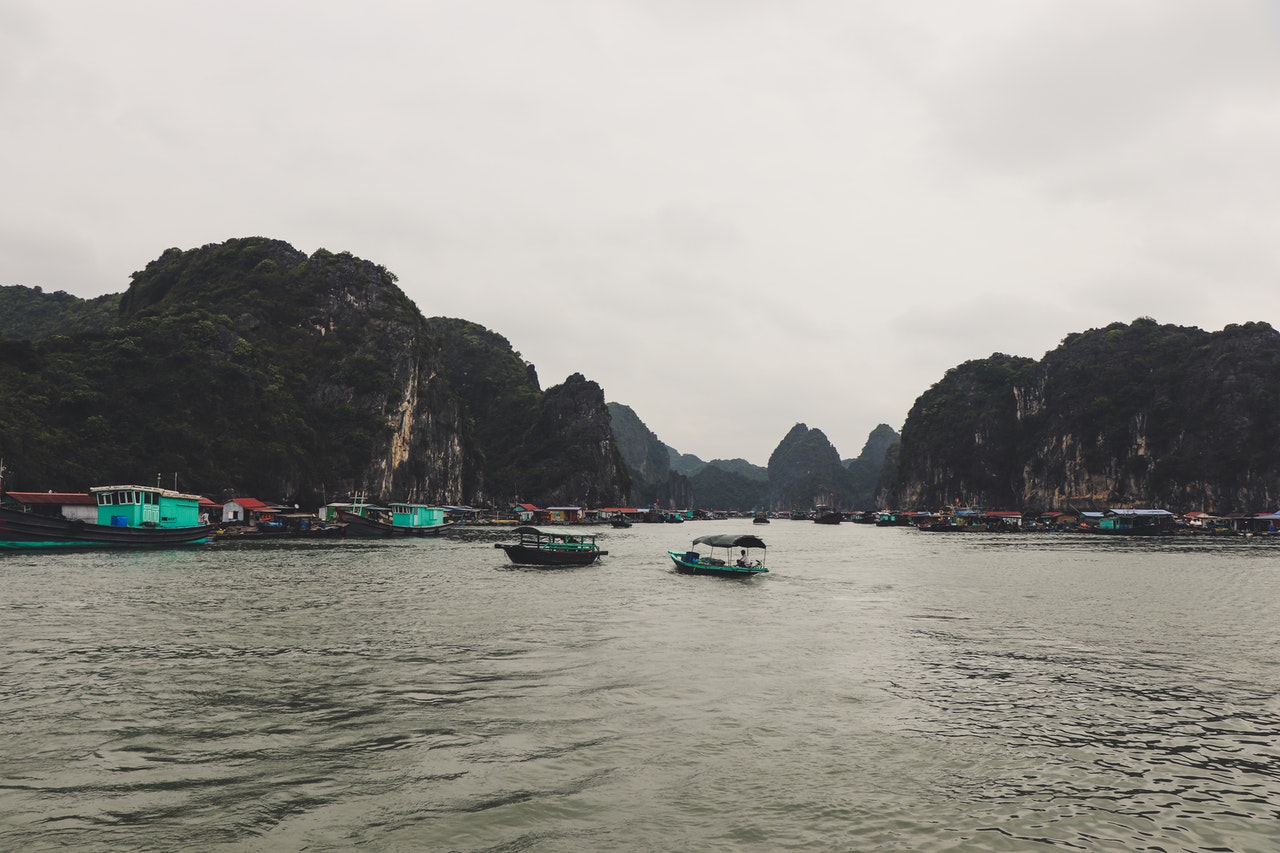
(76,498)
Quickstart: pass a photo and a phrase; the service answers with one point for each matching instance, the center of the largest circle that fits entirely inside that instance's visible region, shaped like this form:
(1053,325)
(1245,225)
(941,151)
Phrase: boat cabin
(145,506)
(416,515)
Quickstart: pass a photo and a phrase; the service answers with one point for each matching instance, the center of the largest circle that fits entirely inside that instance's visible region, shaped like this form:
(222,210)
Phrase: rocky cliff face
(1130,414)
(254,368)
(960,439)
(647,459)
(370,372)
(865,471)
(804,470)
(572,456)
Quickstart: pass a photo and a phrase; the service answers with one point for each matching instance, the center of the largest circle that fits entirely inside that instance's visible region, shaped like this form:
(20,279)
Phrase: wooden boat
(535,547)
(827,515)
(128,517)
(693,562)
(941,526)
(760,518)
(620,522)
(398,519)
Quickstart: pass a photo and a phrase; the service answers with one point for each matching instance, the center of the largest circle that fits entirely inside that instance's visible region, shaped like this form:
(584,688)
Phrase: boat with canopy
(536,547)
(728,564)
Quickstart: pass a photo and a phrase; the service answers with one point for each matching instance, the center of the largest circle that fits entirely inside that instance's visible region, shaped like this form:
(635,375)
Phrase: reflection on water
(878,689)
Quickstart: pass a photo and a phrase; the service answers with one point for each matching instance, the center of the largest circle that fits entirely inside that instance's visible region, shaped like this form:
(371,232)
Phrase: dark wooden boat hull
(359,526)
(523,555)
(26,530)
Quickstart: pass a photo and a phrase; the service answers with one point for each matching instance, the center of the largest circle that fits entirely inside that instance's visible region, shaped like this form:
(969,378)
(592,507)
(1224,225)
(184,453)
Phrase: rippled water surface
(879,689)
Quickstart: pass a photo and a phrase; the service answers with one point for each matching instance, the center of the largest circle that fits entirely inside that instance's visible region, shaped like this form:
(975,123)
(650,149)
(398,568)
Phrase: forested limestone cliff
(1131,414)
(250,367)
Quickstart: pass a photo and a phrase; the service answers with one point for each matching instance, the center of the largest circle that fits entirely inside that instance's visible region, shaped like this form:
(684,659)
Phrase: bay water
(878,689)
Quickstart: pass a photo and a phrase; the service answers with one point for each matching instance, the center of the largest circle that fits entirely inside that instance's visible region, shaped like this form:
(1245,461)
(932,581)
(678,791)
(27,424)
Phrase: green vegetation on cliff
(28,313)
(865,470)
(805,470)
(1138,413)
(179,386)
(646,458)
(248,366)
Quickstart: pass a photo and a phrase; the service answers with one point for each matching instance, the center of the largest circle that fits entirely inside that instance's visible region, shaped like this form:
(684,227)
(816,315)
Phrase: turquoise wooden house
(416,515)
(145,506)
(1137,521)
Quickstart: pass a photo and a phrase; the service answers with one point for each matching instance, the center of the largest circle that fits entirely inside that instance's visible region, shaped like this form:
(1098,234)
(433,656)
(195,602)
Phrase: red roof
(250,503)
(528,507)
(60,498)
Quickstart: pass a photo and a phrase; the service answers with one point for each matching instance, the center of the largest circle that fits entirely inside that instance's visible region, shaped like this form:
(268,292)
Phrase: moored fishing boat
(694,562)
(128,516)
(535,547)
(396,519)
(823,514)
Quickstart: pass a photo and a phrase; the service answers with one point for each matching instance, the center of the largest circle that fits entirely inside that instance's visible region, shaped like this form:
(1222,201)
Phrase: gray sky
(733,214)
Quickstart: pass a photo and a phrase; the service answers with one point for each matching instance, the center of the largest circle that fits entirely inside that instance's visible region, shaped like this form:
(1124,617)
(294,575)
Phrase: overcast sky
(735,215)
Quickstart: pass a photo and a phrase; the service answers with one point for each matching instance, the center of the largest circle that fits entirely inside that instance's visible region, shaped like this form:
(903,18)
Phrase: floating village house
(75,506)
(1134,520)
(563,514)
(630,513)
(247,511)
(1267,522)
